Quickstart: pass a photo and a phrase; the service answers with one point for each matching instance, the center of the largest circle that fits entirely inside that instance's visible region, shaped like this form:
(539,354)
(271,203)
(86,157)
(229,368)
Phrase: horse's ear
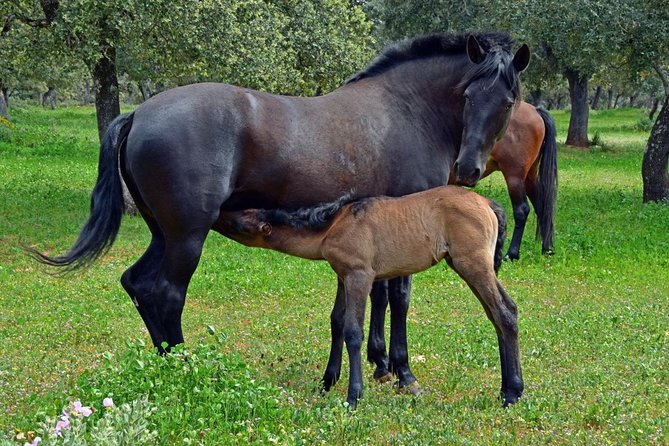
(474,50)
(265,228)
(522,58)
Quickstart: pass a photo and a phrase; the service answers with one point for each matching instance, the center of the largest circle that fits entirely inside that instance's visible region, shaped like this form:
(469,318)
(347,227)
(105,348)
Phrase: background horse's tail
(547,183)
(315,218)
(104,221)
(501,233)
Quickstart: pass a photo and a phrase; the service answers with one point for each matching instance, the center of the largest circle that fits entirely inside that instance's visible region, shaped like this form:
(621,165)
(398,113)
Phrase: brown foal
(380,238)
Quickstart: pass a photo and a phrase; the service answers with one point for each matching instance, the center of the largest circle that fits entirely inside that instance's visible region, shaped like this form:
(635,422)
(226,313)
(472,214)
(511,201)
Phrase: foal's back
(402,236)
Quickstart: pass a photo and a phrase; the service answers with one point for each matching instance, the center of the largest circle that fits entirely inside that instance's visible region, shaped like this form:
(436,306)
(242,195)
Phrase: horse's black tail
(314,218)
(501,233)
(104,221)
(547,183)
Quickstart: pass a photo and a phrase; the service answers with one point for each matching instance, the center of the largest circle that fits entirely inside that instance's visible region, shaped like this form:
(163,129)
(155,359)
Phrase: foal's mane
(497,45)
(315,218)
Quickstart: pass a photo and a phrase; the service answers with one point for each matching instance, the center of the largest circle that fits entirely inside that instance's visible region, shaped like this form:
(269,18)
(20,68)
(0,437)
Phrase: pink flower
(63,423)
(108,402)
(35,442)
(83,410)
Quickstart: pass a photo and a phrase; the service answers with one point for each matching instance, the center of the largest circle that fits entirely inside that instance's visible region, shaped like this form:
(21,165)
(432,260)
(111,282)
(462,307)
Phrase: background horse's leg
(333,369)
(376,342)
(399,294)
(521,210)
(358,285)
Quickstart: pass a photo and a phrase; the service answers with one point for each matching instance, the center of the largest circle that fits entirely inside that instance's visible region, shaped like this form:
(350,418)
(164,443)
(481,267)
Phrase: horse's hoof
(411,389)
(548,252)
(384,378)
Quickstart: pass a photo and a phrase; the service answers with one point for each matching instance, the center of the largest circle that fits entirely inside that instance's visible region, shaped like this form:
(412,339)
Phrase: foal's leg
(503,314)
(376,342)
(521,209)
(333,369)
(399,296)
(357,284)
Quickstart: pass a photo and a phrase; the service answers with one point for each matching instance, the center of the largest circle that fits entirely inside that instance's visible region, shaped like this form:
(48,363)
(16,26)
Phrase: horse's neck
(303,243)
(428,87)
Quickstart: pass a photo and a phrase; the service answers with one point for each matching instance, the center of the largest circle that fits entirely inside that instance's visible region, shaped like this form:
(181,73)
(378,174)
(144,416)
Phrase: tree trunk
(49,98)
(656,159)
(615,103)
(609,99)
(87,93)
(537,98)
(577,135)
(145,89)
(595,99)
(107,106)
(653,108)
(4,102)
(632,100)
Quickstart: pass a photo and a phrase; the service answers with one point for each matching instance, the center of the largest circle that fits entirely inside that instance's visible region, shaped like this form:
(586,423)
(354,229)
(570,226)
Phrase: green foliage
(290,47)
(593,332)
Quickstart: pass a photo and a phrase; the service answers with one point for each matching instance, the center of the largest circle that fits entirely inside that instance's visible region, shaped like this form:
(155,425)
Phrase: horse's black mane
(497,44)
(314,218)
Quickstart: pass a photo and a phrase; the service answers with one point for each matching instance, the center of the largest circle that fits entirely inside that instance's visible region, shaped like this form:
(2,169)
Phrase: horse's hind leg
(139,279)
(521,209)
(503,314)
(376,342)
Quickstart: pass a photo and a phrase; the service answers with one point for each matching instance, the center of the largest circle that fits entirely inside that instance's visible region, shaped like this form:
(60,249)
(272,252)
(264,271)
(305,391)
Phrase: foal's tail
(547,183)
(501,233)
(104,221)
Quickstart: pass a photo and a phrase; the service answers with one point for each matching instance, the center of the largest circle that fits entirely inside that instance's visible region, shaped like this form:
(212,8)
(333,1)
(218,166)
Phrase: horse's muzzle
(466,176)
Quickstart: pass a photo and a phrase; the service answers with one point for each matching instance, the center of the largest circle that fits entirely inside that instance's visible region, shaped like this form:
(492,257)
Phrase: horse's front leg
(399,296)
(333,369)
(358,285)
(376,342)
(521,209)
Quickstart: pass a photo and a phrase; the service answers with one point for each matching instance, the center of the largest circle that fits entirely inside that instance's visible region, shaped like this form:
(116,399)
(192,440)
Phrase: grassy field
(594,328)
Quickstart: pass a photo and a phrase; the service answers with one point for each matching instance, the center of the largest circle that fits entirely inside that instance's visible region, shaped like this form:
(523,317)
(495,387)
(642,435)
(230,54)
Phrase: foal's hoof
(548,252)
(411,389)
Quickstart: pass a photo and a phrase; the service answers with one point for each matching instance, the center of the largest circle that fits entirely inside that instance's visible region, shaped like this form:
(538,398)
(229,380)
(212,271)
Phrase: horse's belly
(403,262)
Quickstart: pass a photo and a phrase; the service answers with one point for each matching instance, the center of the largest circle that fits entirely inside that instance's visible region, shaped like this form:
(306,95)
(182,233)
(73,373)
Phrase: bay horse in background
(382,238)
(422,107)
(527,157)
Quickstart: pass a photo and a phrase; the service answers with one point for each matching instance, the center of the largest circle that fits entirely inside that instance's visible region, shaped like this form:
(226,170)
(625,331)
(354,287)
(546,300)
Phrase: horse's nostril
(477,173)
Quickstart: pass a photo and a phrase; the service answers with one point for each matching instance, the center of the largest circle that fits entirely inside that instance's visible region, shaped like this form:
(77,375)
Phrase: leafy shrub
(188,396)
(644,124)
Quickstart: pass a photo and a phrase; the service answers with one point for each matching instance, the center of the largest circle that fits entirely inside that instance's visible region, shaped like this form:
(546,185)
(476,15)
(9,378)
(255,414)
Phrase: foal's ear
(522,58)
(265,228)
(474,50)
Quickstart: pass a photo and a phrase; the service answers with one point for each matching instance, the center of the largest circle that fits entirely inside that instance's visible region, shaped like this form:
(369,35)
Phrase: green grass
(593,318)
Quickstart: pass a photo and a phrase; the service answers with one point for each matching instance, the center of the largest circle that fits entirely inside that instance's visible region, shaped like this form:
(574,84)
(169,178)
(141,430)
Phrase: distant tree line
(587,54)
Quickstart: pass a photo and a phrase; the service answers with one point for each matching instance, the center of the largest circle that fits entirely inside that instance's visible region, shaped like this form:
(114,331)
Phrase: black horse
(422,108)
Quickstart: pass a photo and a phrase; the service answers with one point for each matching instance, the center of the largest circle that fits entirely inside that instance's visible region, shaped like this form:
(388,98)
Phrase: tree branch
(664,76)
(49,7)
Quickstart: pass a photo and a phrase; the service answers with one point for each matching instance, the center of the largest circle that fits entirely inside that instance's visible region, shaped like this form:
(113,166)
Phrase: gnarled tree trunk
(577,135)
(656,159)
